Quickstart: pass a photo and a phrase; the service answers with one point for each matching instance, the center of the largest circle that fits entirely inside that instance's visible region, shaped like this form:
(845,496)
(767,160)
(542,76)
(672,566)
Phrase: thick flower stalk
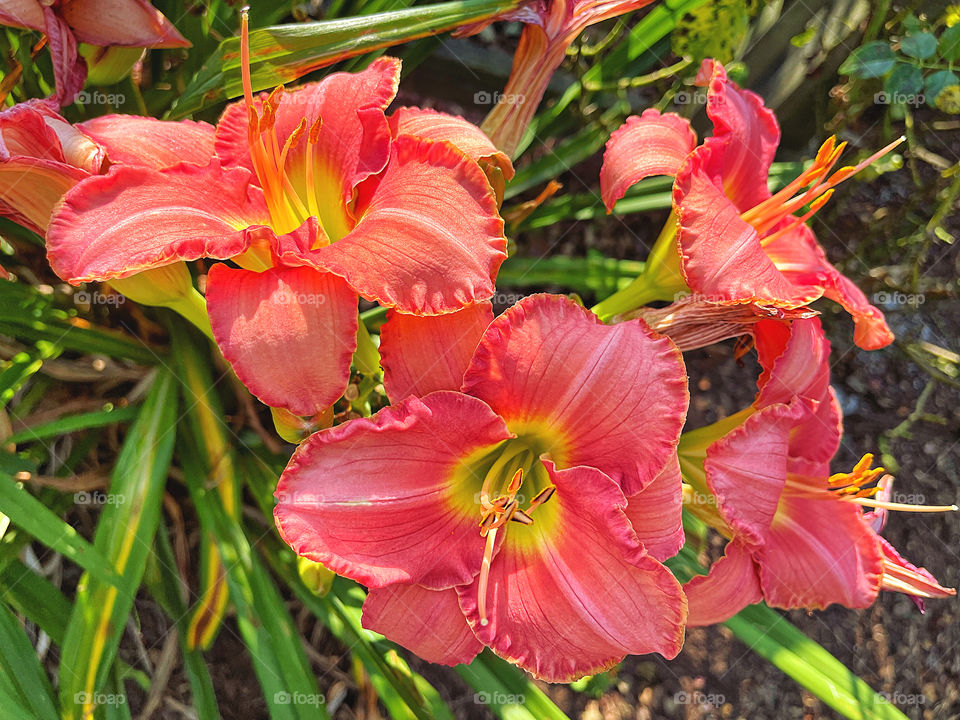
(550,27)
(729,238)
(527,482)
(798,536)
(65,23)
(319,197)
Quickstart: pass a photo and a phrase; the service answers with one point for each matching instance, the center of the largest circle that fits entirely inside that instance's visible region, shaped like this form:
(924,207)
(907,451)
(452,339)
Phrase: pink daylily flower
(319,197)
(734,240)
(510,493)
(118,23)
(798,536)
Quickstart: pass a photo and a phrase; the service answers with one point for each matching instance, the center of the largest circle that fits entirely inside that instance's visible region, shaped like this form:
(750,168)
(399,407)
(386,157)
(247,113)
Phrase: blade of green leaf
(35,598)
(23,670)
(284,53)
(124,535)
(73,423)
(31,515)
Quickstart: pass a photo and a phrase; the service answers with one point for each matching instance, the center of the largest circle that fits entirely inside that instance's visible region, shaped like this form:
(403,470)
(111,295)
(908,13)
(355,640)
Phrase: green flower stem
(662,278)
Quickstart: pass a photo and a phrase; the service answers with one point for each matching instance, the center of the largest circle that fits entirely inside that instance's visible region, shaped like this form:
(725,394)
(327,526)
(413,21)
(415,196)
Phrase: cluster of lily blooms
(528,480)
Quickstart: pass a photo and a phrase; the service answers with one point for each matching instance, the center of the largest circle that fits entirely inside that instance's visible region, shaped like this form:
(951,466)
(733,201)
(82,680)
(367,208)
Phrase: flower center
(812,187)
(291,190)
(508,468)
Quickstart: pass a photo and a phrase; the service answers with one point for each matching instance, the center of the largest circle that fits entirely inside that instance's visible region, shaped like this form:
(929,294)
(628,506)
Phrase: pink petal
(69,69)
(796,361)
(423,354)
(30,189)
(289,333)
(354,141)
(800,258)
(723,258)
(656,513)
(573,593)
(610,397)
(748,132)
(127,23)
(468,138)
(34,129)
(645,145)
(386,499)
(22,13)
(135,218)
(747,469)
(900,575)
(133,140)
(728,588)
(819,552)
(428,622)
(430,239)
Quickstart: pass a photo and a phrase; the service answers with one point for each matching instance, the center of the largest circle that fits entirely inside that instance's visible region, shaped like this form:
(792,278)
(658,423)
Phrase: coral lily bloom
(496,512)
(798,536)
(318,199)
(729,237)
(110,23)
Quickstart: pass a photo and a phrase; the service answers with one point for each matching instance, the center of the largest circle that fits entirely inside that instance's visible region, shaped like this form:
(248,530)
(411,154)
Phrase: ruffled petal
(125,23)
(423,354)
(818,552)
(354,141)
(386,499)
(800,258)
(645,145)
(289,333)
(427,622)
(656,512)
(747,469)
(34,129)
(748,132)
(22,13)
(731,585)
(467,137)
(30,189)
(133,140)
(573,593)
(722,255)
(900,575)
(613,397)
(430,239)
(136,218)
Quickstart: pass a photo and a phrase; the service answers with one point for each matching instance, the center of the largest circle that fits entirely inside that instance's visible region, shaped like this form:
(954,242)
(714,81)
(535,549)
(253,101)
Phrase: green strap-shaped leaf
(34,518)
(22,673)
(284,53)
(74,423)
(124,535)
